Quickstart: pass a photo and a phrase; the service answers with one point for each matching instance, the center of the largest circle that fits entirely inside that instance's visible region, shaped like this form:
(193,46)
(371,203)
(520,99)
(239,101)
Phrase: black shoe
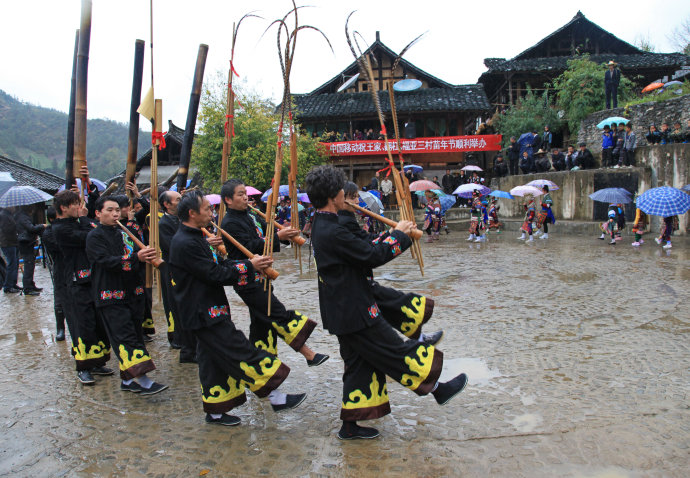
(227,420)
(445,391)
(102,371)
(133,387)
(188,359)
(175,346)
(37,289)
(153,389)
(317,360)
(148,338)
(85,377)
(60,335)
(352,431)
(30,292)
(433,338)
(291,401)
(12,290)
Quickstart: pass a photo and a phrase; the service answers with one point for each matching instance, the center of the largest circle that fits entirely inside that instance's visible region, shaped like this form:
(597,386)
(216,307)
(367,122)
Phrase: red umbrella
(252,191)
(652,86)
(423,185)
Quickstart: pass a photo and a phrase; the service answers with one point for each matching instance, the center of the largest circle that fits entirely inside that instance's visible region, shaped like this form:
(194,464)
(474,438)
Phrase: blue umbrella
(99,184)
(501,194)
(6,182)
(612,119)
(303,197)
(672,83)
(283,190)
(612,196)
(174,186)
(415,169)
(447,201)
(22,196)
(371,201)
(664,201)
(438,192)
(686,188)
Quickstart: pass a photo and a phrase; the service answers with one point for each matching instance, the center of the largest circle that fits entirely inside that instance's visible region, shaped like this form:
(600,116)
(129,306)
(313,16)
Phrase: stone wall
(667,165)
(643,115)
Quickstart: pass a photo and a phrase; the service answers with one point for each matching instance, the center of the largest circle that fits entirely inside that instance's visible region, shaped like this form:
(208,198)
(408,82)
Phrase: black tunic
(167,227)
(199,276)
(241,226)
(344,262)
(70,235)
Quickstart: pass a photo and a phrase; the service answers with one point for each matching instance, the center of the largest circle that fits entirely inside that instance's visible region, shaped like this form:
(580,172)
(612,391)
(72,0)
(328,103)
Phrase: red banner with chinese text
(442,144)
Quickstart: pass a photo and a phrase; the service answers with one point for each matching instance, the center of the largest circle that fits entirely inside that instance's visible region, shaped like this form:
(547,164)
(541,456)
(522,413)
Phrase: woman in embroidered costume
(118,293)
(545,216)
(476,218)
(228,362)
(639,226)
(369,346)
(529,217)
(432,217)
(494,223)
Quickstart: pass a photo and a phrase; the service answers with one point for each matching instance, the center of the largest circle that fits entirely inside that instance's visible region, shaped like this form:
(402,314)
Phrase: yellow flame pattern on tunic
(138,356)
(420,367)
(95,351)
(357,399)
(269,346)
(217,394)
(268,365)
(415,314)
(294,327)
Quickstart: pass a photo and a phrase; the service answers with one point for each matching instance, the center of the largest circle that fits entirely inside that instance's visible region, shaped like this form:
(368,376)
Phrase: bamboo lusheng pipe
(269,272)
(220,247)
(299,240)
(414,234)
(157,262)
(165,184)
(69,156)
(109,190)
(194,97)
(80,102)
(133,139)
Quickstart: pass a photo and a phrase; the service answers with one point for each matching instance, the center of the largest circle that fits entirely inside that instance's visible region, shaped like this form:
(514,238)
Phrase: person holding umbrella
(545,217)
(27,236)
(529,217)
(639,226)
(670,225)
(476,222)
(8,242)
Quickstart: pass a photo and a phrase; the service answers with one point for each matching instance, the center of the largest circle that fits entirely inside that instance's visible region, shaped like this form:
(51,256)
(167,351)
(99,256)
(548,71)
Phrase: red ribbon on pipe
(383,130)
(232,68)
(225,127)
(160,136)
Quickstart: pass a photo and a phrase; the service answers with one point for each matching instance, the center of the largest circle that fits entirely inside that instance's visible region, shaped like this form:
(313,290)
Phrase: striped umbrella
(23,195)
(664,201)
(612,196)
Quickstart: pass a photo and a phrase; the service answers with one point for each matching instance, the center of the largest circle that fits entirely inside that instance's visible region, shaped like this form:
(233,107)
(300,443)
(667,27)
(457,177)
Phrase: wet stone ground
(577,354)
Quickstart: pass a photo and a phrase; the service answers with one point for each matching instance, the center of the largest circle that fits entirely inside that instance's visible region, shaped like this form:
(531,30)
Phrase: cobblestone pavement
(577,354)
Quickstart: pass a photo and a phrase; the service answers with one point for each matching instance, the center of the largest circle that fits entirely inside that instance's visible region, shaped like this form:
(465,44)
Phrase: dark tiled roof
(338,105)
(28,176)
(332,85)
(560,63)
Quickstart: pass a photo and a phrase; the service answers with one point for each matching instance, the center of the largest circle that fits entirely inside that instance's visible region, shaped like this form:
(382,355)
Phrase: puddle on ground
(526,423)
(476,369)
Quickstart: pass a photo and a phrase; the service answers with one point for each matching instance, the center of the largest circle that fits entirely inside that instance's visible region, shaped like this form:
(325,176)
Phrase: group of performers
(615,224)
(99,271)
(534,222)
(483,217)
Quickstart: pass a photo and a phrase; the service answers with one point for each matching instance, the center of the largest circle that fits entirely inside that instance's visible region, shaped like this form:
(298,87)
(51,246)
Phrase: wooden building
(506,80)
(438,116)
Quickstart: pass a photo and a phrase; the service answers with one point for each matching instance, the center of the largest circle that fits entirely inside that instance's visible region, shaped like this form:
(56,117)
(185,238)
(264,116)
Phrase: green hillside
(37,136)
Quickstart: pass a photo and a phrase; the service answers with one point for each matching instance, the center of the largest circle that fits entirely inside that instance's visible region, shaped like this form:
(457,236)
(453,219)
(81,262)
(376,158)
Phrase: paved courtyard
(577,353)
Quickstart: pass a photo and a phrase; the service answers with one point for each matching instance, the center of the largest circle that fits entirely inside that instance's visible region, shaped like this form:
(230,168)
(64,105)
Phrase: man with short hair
(228,362)
(500,166)
(585,160)
(570,158)
(118,295)
(447,182)
(387,191)
(557,159)
(27,237)
(513,155)
(612,78)
(8,243)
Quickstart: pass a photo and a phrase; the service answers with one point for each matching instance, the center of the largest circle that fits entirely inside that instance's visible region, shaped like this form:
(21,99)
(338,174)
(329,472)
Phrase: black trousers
(27,254)
(606,158)
(628,157)
(374,352)
(123,324)
(405,312)
(291,326)
(229,363)
(611,93)
(90,344)
(61,301)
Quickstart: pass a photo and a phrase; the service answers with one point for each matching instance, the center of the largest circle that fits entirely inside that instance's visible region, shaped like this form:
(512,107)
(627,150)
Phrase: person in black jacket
(291,326)
(500,166)
(168,225)
(27,237)
(228,362)
(369,346)
(513,155)
(8,242)
(90,344)
(406,313)
(612,78)
(56,266)
(118,294)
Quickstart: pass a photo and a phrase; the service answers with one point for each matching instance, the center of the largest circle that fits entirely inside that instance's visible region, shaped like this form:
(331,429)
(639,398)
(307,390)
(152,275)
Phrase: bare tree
(680,37)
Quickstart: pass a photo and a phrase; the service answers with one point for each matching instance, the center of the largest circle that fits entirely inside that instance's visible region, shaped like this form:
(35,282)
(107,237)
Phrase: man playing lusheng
(118,294)
(291,326)
(369,346)
(228,362)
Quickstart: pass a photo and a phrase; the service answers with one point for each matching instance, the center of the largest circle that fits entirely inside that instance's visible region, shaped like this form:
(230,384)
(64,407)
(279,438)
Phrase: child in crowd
(606,148)
(639,226)
(530,212)
(670,225)
(609,227)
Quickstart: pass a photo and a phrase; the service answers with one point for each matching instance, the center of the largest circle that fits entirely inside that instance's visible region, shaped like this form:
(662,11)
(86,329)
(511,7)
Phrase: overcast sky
(37,40)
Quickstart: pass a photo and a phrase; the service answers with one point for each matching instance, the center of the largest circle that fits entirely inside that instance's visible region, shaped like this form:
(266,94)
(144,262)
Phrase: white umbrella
(472,168)
(540,183)
(524,190)
(465,190)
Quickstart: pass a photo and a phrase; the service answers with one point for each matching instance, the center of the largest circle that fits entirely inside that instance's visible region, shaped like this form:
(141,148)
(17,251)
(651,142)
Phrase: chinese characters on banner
(443,144)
